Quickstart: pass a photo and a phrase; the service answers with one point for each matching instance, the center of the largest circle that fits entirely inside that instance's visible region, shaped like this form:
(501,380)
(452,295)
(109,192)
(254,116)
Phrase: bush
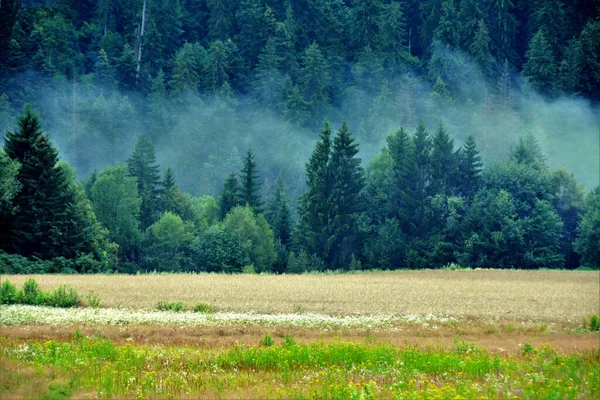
(176,306)
(31,292)
(8,293)
(93,299)
(267,340)
(594,323)
(65,296)
(203,308)
(249,269)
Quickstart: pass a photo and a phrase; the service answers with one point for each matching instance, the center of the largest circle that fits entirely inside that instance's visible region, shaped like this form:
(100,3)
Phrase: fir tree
(443,163)
(400,147)
(344,204)
(448,30)
(470,16)
(480,49)
(313,204)
(230,195)
(420,180)
(45,217)
(469,169)
(278,215)
(142,165)
(503,27)
(540,68)
(392,37)
(250,190)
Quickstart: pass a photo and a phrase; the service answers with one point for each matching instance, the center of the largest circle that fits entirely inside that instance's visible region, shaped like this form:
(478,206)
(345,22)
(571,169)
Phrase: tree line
(421,203)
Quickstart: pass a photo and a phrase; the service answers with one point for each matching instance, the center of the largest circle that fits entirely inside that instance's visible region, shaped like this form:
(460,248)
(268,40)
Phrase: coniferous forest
(293,136)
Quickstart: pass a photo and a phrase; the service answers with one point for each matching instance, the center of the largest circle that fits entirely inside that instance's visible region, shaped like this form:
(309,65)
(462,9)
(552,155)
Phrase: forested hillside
(189,135)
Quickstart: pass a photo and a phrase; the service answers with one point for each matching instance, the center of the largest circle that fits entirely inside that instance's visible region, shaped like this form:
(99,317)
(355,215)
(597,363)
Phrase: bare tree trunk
(141,41)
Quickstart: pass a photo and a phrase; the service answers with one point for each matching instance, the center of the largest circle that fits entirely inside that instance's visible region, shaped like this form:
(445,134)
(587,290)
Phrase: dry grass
(552,296)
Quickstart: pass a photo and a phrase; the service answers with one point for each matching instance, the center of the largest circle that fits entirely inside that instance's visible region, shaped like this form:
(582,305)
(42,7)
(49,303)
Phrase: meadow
(407,334)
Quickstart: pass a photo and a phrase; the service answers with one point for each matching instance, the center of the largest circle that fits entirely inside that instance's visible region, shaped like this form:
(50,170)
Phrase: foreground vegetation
(96,367)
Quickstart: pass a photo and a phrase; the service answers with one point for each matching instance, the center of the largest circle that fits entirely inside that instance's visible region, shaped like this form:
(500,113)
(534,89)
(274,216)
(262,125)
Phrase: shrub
(31,292)
(93,299)
(267,340)
(249,269)
(8,293)
(288,341)
(594,323)
(203,308)
(176,306)
(65,296)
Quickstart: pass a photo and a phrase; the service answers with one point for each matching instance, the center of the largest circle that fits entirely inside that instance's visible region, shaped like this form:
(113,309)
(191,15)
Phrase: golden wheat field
(550,296)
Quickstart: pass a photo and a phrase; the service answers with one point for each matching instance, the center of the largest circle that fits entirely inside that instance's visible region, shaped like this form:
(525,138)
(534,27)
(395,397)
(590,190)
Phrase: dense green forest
(192,135)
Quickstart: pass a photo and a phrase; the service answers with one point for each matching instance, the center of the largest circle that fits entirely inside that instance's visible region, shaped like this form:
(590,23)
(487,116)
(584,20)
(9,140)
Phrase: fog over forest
(295,136)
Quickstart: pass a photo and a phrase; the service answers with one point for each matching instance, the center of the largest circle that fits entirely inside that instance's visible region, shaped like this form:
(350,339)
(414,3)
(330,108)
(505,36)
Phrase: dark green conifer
(469,169)
(142,165)
(344,204)
(230,195)
(250,190)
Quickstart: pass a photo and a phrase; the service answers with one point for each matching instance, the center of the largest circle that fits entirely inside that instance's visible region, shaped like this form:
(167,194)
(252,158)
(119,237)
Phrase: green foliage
(253,235)
(31,292)
(167,243)
(8,293)
(93,299)
(203,308)
(64,296)
(47,221)
(587,243)
(267,340)
(219,251)
(141,165)
(175,306)
(250,187)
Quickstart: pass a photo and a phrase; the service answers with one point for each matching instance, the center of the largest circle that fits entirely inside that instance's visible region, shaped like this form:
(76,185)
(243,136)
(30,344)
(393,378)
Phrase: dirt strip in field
(409,335)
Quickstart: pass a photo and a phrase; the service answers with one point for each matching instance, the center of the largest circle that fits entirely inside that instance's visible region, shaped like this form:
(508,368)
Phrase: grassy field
(562,296)
(408,335)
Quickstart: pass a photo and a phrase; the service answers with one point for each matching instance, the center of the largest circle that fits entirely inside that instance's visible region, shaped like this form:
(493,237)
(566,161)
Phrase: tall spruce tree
(279,216)
(401,150)
(469,169)
(344,205)
(310,234)
(420,180)
(443,163)
(142,165)
(46,207)
(250,190)
(540,68)
(230,196)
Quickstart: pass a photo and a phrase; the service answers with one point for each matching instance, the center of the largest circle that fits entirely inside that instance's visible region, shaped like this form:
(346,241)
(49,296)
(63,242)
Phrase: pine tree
(310,234)
(45,217)
(220,23)
(549,16)
(503,27)
(448,30)
(141,165)
(279,216)
(365,14)
(443,163)
(250,191)
(315,81)
(469,169)
(470,16)
(400,147)
(420,180)
(344,203)
(540,68)
(480,49)
(392,38)
(230,195)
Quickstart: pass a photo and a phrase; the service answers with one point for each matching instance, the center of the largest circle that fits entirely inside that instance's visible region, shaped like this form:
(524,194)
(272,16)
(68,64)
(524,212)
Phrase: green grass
(99,367)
